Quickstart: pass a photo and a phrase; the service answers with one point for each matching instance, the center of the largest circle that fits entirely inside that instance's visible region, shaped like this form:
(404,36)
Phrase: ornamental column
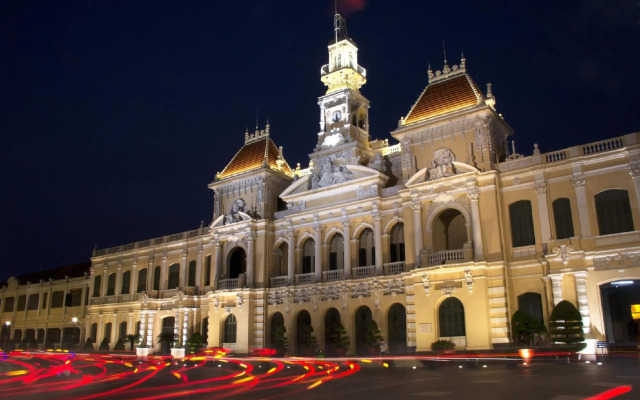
(251,239)
(543,210)
(150,275)
(634,171)
(216,260)
(556,288)
(417,229)
(377,218)
(318,254)
(291,268)
(474,196)
(183,270)
(118,288)
(583,302)
(583,211)
(133,288)
(346,233)
(163,273)
(105,278)
(149,329)
(143,328)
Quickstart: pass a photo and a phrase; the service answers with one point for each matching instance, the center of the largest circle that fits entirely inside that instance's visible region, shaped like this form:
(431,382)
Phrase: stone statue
(327,173)
(234,212)
(442,164)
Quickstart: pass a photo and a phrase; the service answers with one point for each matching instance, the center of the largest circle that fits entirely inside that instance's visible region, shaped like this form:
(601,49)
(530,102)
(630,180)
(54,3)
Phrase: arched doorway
(237,262)
(621,312)
(331,319)
(230,329)
(362,319)
(449,231)
(451,319)
(397,325)
(304,330)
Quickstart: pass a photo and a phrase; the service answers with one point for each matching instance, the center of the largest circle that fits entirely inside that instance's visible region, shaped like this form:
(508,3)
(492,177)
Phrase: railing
(444,256)
(396,148)
(362,272)
(332,275)
(229,283)
(555,156)
(395,267)
(279,281)
(305,278)
(605,145)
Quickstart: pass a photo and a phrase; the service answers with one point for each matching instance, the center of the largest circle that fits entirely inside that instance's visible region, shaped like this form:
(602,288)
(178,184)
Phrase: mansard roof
(259,151)
(446,92)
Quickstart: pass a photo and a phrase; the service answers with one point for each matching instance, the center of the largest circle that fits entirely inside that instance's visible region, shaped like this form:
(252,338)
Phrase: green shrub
(372,337)
(566,323)
(195,342)
(279,340)
(132,339)
(119,345)
(525,328)
(339,338)
(442,344)
(104,345)
(88,346)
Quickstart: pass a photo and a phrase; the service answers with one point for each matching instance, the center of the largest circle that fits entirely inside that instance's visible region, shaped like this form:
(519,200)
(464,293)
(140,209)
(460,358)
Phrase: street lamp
(73,335)
(6,333)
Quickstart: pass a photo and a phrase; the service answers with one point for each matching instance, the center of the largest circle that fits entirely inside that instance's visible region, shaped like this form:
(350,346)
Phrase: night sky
(115,115)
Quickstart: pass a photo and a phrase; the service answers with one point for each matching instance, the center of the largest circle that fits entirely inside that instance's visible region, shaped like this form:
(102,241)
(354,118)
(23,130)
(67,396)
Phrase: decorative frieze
(618,261)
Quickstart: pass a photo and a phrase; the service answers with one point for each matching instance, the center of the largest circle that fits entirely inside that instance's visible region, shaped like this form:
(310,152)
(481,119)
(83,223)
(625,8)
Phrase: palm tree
(132,339)
(166,340)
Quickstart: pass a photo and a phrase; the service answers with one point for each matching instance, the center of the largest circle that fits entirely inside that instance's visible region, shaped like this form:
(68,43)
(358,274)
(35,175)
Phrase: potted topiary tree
(339,340)
(119,345)
(443,346)
(104,345)
(279,341)
(195,342)
(132,339)
(565,326)
(309,342)
(525,329)
(88,346)
(372,338)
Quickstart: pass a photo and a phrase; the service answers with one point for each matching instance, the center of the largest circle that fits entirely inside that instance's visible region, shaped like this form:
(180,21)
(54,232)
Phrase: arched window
(614,212)
(366,250)
(40,335)
(142,280)
(97,285)
(331,319)
(123,331)
(303,332)
(521,224)
(126,282)
(362,319)
(449,230)
(396,245)
(237,262)
(94,332)
(531,303)
(192,273)
(230,329)
(277,323)
(308,256)
(111,284)
(168,324)
(156,278)
(107,331)
(174,276)
(562,218)
(451,318)
(336,253)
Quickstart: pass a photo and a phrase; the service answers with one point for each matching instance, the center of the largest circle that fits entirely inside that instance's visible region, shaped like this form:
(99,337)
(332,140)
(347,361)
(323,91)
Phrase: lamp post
(73,335)
(7,333)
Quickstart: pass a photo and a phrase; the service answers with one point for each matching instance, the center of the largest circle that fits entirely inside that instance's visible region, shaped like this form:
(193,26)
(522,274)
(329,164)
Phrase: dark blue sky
(115,115)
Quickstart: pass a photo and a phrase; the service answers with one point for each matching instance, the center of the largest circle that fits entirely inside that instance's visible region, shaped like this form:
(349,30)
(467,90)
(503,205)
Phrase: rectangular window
(192,274)
(44,300)
(8,304)
(73,298)
(142,280)
(34,300)
(57,299)
(522,233)
(22,302)
(562,218)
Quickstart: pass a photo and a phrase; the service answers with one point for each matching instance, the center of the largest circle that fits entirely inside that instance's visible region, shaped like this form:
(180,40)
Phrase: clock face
(336,116)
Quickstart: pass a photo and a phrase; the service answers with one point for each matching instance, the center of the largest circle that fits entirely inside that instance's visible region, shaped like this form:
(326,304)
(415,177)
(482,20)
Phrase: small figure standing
(383,348)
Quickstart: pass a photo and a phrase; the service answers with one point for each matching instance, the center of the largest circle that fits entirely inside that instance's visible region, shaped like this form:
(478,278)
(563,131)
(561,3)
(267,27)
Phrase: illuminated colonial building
(442,235)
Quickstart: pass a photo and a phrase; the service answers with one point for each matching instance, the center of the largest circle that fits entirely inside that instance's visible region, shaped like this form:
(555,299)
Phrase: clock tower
(344,111)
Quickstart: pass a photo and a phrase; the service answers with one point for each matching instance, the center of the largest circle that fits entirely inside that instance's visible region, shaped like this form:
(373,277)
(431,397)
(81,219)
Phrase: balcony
(447,257)
(364,272)
(232,283)
(395,268)
(305,278)
(334,275)
(279,281)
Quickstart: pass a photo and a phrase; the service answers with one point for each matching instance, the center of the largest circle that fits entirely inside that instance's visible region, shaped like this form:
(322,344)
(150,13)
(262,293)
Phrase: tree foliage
(566,323)
(525,328)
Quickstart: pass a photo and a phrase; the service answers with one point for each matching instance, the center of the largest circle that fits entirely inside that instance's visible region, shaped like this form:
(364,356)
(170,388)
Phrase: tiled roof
(251,157)
(73,271)
(443,97)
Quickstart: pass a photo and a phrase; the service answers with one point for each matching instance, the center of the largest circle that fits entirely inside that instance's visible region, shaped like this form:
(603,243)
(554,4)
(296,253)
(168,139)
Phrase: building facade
(443,235)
